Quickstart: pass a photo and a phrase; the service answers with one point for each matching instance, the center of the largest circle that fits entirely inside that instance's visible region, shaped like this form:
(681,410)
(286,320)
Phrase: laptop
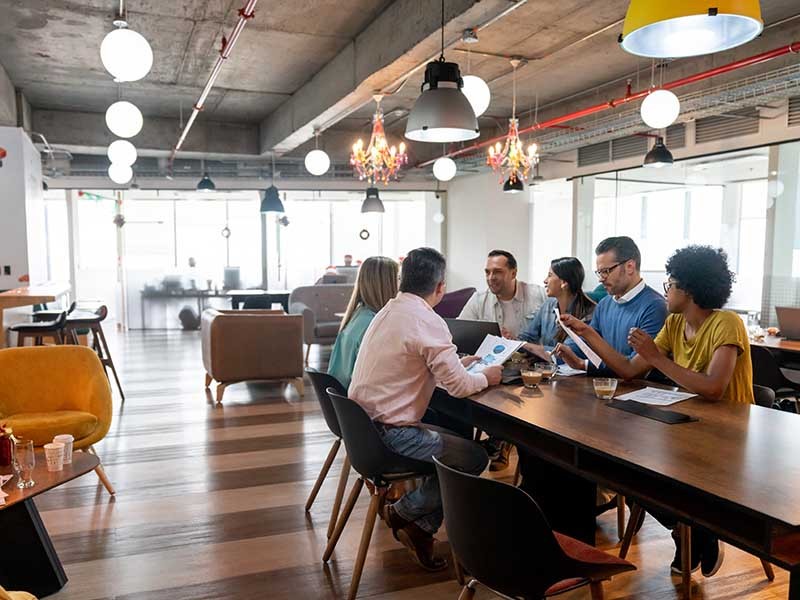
(789,321)
(468,335)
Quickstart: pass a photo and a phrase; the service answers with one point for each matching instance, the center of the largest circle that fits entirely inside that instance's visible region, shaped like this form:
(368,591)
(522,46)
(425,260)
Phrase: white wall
(480,218)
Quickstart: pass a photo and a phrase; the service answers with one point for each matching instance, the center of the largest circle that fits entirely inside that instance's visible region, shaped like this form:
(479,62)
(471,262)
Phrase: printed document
(494,350)
(656,396)
(588,352)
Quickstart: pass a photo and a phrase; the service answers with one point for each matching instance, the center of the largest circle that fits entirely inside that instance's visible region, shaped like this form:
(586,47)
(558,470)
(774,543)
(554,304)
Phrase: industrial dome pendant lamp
(205,184)
(659,155)
(682,28)
(442,113)
(271,200)
(372,203)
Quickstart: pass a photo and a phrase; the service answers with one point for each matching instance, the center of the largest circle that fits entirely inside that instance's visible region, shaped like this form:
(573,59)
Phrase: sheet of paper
(656,396)
(494,350)
(3,480)
(584,347)
(567,371)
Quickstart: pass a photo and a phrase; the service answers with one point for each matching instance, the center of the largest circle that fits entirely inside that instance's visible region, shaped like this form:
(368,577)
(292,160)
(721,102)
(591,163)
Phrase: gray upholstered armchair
(319,305)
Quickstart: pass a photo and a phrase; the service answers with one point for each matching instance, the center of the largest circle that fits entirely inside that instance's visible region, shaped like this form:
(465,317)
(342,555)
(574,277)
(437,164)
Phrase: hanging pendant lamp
(271,200)
(659,155)
(206,184)
(372,203)
(681,28)
(513,185)
(317,162)
(442,112)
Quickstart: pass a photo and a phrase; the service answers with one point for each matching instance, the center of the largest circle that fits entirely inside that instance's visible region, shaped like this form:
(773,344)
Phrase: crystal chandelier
(510,160)
(378,161)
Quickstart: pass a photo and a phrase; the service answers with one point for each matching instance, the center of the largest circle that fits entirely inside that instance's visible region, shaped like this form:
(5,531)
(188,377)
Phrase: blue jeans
(423,506)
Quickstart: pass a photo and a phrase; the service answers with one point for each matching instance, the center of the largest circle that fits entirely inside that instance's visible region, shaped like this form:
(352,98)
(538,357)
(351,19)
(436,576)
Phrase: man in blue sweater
(630,302)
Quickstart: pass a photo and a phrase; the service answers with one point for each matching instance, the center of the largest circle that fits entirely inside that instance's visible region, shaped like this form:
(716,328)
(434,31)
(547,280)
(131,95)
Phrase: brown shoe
(420,544)
(500,462)
(393,521)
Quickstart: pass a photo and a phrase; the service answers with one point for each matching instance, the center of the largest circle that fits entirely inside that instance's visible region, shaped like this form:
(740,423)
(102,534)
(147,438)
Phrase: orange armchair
(49,390)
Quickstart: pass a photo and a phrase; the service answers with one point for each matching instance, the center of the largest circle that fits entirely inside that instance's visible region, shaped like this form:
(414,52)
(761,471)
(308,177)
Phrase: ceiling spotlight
(514,186)
(478,93)
(124,119)
(120,173)
(659,155)
(442,113)
(660,109)
(470,36)
(271,201)
(681,29)
(122,152)
(372,203)
(126,55)
(444,168)
(205,184)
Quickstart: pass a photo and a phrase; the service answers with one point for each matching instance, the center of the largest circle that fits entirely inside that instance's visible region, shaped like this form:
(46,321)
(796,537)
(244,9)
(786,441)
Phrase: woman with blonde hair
(376,284)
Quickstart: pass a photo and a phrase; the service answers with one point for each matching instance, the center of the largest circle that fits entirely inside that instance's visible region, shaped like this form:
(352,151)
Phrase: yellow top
(721,328)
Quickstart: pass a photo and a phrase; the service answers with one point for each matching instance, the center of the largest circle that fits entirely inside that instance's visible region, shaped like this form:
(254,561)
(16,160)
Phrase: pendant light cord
(441,56)
(514,94)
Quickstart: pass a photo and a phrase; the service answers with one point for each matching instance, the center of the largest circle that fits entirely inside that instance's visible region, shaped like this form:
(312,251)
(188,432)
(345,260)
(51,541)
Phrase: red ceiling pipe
(792,48)
(245,14)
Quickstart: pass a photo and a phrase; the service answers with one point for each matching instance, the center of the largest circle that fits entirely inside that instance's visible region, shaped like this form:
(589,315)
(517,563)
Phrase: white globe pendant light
(317,162)
(477,92)
(660,109)
(124,119)
(126,54)
(122,152)
(120,173)
(444,168)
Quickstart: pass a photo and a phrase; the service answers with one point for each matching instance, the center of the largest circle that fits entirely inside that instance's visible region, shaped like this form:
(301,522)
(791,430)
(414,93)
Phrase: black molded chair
(262,302)
(501,537)
(92,321)
(51,315)
(764,396)
(767,372)
(321,382)
(376,463)
(41,329)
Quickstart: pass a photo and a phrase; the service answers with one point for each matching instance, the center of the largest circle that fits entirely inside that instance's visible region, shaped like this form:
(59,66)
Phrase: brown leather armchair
(252,345)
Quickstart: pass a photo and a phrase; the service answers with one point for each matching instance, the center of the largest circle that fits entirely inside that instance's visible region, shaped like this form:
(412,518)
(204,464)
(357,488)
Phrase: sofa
(49,390)
(319,306)
(453,303)
(251,345)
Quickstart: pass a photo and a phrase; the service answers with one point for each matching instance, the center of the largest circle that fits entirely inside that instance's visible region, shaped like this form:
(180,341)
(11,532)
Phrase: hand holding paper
(584,347)
(494,351)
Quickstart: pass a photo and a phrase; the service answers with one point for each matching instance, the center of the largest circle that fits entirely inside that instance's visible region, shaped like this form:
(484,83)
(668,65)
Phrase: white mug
(67,440)
(54,453)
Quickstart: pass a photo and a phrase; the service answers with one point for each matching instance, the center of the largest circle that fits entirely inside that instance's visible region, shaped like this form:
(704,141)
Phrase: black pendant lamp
(372,203)
(513,187)
(442,112)
(271,200)
(659,155)
(205,184)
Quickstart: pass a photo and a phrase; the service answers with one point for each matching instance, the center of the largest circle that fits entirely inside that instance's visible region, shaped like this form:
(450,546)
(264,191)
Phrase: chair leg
(457,567)
(468,591)
(366,537)
(516,480)
(686,559)
(337,501)
(308,351)
(596,588)
(221,391)
(101,474)
(326,466)
(299,385)
(478,434)
(636,514)
(620,516)
(343,517)
(209,379)
(107,359)
(768,570)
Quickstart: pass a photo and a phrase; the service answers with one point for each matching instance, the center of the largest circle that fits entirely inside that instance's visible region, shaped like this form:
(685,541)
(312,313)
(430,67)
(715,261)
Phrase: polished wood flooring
(210,503)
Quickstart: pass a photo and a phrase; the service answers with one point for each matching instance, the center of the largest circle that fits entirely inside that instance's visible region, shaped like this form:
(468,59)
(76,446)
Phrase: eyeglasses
(668,285)
(603,273)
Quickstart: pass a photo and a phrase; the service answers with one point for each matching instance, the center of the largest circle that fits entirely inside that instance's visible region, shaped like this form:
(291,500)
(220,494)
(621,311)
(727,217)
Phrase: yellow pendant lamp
(681,28)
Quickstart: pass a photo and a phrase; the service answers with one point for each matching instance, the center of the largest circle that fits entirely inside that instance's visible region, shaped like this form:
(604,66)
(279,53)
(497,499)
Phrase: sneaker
(711,557)
(500,462)
(677,564)
(420,544)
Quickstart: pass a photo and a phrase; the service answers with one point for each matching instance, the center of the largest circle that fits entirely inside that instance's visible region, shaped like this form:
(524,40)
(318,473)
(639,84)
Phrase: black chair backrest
(766,371)
(764,396)
(257,302)
(500,534)
(60,321)
(365,448)
(72,308)
(321,382)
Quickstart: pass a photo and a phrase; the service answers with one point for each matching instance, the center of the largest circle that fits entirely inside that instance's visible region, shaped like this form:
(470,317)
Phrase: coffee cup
(54,454)
(67,440)
(530,377)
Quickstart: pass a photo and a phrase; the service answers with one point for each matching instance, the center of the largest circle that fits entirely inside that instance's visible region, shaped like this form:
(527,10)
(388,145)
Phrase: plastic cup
(67,440)
(54,455)
(604,388)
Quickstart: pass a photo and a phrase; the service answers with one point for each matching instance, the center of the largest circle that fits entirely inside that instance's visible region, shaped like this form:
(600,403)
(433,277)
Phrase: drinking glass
(530,378)
(604,388)
(547,369)
(24,461)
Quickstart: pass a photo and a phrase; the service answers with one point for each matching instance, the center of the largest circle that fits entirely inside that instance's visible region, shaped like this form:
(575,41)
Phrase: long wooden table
(29,561)
(735,471)
(28,296)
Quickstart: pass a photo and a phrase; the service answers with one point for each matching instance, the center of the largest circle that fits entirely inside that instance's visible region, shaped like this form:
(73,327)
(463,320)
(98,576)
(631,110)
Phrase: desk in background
(29,296)
(199,295)
(239,297)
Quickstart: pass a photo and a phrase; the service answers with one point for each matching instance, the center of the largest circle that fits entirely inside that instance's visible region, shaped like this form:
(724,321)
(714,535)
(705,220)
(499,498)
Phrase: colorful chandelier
(509,159)
(378,161)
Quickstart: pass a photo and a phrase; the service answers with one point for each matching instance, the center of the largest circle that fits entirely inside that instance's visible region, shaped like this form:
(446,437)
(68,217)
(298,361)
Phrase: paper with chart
(3,480)
(584,347)
(656,396)
(494,350)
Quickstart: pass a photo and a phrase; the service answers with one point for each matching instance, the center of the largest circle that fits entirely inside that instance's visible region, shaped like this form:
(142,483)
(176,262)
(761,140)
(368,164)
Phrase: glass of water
(24,462)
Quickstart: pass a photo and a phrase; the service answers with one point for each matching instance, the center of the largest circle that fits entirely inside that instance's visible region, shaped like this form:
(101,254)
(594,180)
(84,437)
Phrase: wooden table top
(258,292)
(35,294)
(745,454)
(779,343)
(82,463)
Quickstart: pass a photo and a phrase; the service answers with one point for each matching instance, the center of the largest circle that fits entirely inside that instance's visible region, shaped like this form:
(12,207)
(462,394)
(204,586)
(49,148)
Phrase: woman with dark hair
(563,286)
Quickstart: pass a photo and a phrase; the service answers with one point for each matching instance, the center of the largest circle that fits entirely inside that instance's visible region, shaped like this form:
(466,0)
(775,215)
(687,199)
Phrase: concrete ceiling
(316,62)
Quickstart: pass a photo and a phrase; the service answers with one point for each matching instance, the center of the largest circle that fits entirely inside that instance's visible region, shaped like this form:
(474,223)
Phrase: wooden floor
(210,503)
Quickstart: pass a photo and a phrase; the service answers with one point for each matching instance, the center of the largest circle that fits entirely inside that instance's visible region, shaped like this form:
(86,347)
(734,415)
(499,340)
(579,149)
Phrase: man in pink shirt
(406,351)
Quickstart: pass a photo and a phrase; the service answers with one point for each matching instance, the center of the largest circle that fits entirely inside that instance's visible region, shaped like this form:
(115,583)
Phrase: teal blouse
(345,349)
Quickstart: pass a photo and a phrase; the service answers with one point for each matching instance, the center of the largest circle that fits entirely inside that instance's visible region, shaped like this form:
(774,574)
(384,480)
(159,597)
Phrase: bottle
(6,446)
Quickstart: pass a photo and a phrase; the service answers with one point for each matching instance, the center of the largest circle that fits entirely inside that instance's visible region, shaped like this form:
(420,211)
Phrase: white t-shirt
(512,320)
